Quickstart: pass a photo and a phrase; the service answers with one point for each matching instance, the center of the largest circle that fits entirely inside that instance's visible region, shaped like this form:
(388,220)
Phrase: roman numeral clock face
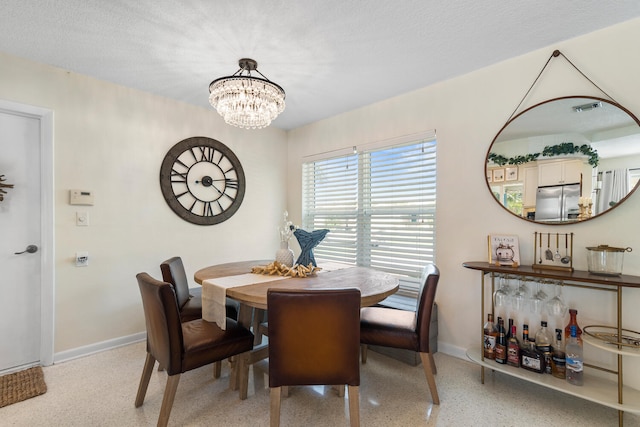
(202,180)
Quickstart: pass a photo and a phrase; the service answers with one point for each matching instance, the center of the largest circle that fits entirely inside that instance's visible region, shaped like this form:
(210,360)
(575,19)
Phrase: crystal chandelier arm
(263,76)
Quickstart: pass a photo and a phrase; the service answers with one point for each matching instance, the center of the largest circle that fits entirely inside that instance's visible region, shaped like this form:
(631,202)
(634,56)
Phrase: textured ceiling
(330,56)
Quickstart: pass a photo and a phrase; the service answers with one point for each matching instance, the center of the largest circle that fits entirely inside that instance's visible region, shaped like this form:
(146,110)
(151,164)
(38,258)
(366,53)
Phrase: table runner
(214,293)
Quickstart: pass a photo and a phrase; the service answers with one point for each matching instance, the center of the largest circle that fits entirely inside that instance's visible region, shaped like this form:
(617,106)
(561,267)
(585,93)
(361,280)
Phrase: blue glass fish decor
(307,242)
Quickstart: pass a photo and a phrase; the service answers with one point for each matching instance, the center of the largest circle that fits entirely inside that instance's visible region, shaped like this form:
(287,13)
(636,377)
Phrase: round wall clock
(202,180)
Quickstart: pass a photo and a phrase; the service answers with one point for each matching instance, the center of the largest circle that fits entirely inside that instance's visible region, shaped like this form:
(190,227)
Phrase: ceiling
(330,56)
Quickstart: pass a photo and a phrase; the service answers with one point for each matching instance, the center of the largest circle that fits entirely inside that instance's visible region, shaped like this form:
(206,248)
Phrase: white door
(20,228)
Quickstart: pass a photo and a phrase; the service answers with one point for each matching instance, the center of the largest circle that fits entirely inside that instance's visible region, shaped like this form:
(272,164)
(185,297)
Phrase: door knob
(30,249)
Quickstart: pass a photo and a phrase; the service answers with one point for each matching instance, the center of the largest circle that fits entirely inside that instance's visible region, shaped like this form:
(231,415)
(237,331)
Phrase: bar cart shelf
(603,391)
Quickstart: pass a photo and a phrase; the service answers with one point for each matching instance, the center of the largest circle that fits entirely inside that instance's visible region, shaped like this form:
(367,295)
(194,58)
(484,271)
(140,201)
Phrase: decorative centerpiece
(307,242)
(277,269)
(284,255)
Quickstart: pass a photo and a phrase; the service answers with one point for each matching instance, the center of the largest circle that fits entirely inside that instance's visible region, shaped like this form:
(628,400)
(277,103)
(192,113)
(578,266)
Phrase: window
(510,196)
(634,177)
(379,206)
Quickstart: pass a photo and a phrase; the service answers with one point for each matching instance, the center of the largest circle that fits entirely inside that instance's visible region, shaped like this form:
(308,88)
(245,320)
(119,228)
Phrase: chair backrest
(164,330)
(314,337)
(426,298)
(173,272)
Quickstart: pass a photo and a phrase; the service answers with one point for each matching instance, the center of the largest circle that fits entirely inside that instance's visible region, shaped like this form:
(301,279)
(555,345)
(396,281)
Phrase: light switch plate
(82,219)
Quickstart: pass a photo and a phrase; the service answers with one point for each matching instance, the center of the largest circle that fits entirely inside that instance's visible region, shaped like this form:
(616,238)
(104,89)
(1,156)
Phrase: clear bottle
(558,358)
(501,343)
(572,321)
(575,368)
(513,349)
(490,335)
(533,359)
(543,344)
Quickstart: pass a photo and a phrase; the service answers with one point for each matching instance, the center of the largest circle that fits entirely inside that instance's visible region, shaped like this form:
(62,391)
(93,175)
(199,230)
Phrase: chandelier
(246,101)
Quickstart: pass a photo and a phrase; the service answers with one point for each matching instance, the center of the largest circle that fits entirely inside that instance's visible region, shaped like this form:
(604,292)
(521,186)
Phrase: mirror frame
(511,120)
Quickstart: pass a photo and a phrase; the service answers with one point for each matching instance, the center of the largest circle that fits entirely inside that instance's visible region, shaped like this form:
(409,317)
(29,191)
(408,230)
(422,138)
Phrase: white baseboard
(452,350)
(87,350)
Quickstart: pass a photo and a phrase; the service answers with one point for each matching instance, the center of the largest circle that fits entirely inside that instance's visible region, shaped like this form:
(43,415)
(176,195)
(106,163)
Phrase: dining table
(250,290)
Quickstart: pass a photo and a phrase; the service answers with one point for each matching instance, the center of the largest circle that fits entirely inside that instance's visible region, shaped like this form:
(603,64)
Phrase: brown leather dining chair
(190,299)
(389,327)
(314,339)
(183,346)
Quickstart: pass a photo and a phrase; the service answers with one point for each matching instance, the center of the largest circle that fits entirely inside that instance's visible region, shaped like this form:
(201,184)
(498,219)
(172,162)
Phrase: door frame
(47,241)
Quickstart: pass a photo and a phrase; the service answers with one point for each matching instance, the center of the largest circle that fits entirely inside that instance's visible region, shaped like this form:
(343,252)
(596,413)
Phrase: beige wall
(111,140)
(467,112)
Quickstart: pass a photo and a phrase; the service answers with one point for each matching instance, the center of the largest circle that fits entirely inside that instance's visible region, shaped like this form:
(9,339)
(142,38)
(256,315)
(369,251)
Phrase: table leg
(244,319)
(238,381)
(258,318)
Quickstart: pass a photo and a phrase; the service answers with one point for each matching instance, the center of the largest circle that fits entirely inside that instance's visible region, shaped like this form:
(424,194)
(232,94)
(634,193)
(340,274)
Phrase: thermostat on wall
(80,197)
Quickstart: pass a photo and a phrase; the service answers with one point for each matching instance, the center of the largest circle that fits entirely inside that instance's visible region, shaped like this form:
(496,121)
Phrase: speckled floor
(99,390)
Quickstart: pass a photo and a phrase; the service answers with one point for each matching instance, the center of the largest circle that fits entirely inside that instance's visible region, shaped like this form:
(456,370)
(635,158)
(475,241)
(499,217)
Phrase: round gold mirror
(565,160)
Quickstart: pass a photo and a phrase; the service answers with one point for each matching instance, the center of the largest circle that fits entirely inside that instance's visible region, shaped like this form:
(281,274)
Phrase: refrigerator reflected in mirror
(558,203)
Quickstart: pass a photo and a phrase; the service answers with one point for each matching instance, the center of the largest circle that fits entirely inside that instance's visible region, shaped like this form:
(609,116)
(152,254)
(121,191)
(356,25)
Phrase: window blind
(379,206)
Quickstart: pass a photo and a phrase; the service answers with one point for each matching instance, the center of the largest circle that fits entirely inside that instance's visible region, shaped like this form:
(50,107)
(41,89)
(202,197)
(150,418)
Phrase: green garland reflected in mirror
(549,151)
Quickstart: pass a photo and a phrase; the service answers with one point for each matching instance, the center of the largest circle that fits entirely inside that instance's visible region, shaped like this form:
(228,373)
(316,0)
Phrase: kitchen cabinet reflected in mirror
(565,160)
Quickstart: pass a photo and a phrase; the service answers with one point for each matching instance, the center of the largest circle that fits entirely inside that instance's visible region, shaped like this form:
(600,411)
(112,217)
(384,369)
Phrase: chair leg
(354,406)
(433,364)
(340,389)
(233,375)
(275,393)
(363,351)
(428,371)
(144,380)
(217,369)
(167,400)
(243,374)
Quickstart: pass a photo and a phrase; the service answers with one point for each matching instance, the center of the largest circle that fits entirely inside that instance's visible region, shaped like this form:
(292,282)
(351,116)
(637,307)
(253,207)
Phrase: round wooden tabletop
(374,285)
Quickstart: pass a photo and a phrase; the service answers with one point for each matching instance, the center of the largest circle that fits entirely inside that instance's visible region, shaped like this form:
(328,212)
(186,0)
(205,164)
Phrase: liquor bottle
(525,336)
(501,343)
(490,335)
(572,321)
(558,358)
(575,369)
(543,344)
(513,349)
(509,329)
(524,344)
(533,359)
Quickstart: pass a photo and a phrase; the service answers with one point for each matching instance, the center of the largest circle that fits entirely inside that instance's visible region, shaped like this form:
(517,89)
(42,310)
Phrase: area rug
(21,385)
